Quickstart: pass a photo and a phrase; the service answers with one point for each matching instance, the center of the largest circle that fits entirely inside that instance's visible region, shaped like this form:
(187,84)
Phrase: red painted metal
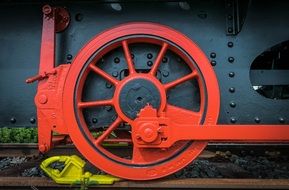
(145,163)
(51,79)
(164,140)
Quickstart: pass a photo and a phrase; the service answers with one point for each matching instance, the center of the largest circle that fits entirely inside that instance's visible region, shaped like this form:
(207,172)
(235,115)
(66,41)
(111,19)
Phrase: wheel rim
(145,163)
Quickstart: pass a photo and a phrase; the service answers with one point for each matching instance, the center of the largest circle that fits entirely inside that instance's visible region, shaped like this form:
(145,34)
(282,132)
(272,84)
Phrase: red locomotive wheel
(131,93)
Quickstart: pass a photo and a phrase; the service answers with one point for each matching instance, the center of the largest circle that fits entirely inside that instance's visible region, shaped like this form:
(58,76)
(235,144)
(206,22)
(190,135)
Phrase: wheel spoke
(180,80)
(103,74)
(128,57)
(105,134)
(94,103)
(159,59)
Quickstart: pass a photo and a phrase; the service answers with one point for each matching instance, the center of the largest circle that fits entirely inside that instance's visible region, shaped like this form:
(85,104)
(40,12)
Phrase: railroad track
(44,183)
(9,181)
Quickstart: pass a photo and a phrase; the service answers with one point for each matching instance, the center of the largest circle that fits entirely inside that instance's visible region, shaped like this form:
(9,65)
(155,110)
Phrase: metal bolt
(232,104)
(13,120)
(231,74)
(79,17)
(114,73)
(108,108)
(165,60)
(132,56)
(281,120)
(233,120)
(108,85)
(165,73)
(230,44)
(69,57)
(230,29)
(94,120)
(232,89)
(149,55)
(213,55)
(213,63)
(230,17)
(46,9)
(257,120)
(42,99)
(116,60)
(32,120)
(149,63)
(179,59)
(231,59)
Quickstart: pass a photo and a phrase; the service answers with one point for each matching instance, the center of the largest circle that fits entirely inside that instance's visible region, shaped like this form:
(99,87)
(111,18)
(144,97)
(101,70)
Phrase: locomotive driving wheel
(116,75)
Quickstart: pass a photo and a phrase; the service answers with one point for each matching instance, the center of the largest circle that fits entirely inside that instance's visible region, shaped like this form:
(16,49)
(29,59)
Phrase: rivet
(42,99)
(94,120)
(230,44)
(42,148)
(179,59)
(132,56)
(149,55)
(281,120)
(13,120)
(213,63)
(114,73)
(213,55)
(230,17)
(230,29)
(108,108)
(149,63)
(165,73)
(116,60)
(32,120)
(78,17)
(165,60)
(233,120)
(231,74)
(69,57)
(257,120)
(232,104)
(108,85)
(231,59)
(232,89)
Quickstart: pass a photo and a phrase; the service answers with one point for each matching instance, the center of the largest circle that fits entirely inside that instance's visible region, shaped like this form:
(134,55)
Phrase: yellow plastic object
(73,173)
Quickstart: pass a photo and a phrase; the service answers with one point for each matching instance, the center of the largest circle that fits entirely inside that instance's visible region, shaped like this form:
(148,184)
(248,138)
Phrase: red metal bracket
(51,79)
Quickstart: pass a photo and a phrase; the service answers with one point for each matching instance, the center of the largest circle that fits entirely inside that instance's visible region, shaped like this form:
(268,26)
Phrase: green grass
(18,135)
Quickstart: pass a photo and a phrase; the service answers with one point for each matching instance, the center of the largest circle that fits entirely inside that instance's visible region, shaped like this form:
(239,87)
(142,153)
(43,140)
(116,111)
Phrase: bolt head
(13,120)
(42,99)
(149,55)
(69,57)
(231,74)
(233,120)
(213,55)
(165,60)
(32,120)
(257,120)
(116,60)
(281,120)
(230,44)
(232,89)
(149,63)
(232,104)
(231,59)
(213,63)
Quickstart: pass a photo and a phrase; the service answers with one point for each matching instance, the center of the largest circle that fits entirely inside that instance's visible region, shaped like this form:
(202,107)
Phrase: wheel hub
(136,94)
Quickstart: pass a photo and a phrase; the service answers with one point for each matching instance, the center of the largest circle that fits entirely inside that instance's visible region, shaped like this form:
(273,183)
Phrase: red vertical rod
(47,51)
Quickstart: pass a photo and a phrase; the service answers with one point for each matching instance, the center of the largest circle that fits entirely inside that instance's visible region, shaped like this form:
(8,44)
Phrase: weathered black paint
(266,23)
